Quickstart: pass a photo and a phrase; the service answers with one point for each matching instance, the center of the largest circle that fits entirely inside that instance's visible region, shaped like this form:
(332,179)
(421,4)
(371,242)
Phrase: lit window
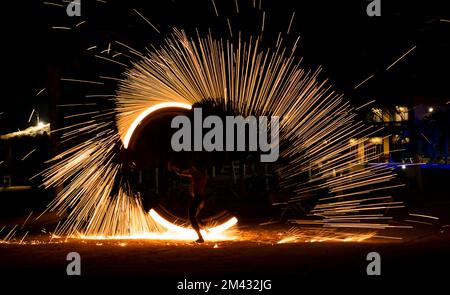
(377,115)
(376,140)
(401,114)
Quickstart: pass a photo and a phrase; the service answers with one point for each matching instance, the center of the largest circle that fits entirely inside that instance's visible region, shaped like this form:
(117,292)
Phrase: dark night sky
(335,34)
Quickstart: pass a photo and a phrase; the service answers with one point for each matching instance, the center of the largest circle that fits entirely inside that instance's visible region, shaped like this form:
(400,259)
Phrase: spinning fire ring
(217,229)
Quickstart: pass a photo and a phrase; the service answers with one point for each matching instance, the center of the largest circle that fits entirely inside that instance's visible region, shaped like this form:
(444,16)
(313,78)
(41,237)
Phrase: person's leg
(199,209)
(200,206)
(194,209)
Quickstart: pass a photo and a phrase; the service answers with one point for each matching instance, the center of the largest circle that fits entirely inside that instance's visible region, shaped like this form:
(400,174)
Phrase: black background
(338,35)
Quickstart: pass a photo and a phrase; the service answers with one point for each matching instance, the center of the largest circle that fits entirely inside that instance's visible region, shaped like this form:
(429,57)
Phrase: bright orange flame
(330,237)
(175,232)
(147,112)
(214,233)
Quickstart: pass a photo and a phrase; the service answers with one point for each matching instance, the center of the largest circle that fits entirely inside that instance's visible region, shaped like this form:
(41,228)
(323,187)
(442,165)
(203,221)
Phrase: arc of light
(156,217)
(186,231)
(147,112)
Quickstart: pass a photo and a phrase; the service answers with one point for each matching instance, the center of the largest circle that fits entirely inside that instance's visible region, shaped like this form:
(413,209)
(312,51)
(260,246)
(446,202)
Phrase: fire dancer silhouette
(198,177)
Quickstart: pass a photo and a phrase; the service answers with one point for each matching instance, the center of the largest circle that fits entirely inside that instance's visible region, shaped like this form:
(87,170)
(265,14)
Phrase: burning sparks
(326,237)
(401,57)
(32,131)
(316,129)
(175,232)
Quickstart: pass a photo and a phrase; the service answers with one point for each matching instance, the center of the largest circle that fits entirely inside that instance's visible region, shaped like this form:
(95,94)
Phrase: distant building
(415,133)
